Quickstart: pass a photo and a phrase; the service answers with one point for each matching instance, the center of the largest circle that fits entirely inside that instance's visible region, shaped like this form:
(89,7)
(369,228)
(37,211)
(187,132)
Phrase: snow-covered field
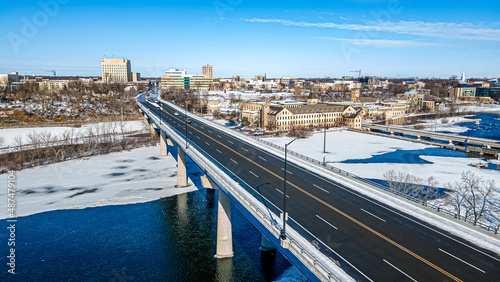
(10,134)
(136,176)
(348,145)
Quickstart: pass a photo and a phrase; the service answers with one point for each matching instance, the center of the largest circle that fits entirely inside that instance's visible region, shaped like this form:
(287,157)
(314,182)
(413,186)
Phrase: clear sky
(242,37)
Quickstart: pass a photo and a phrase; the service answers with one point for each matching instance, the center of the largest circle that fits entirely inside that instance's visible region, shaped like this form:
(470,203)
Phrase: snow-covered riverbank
(136,176)
(10,134)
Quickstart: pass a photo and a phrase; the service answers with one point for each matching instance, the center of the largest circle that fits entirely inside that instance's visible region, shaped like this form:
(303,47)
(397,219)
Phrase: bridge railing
(316,261)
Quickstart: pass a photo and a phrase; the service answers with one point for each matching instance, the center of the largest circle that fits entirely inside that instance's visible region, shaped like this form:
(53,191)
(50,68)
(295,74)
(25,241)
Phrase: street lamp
(186,122)
(324,138)
(283,234)
(160,109)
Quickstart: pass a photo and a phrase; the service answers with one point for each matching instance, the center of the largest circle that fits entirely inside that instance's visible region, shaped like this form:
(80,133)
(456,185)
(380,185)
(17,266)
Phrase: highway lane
(375,256)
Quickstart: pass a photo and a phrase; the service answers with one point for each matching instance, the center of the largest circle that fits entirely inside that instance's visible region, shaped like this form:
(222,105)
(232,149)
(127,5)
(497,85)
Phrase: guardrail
(316,261)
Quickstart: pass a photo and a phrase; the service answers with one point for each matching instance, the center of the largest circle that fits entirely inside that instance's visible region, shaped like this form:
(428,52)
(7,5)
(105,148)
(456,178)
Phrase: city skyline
(281,39)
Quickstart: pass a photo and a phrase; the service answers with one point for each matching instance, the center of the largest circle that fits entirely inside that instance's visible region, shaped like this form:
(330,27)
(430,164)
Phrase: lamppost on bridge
(283,233)
(160,108)
(186,121)
(324,138)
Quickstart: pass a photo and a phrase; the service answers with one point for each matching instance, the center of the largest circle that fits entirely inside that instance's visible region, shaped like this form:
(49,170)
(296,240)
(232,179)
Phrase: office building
(463,90)
(178,79)
(207,71)
(9,78)
(136,77)
(116,70)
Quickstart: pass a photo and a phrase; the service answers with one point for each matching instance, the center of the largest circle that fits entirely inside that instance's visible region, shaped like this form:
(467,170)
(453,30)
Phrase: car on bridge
(176,113)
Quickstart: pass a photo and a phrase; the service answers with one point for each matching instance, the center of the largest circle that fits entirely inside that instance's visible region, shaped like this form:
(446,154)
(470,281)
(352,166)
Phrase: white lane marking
(244,149)
(202,127)
(282,193)
(230,142)
(399,270)
(328,247)
(262,158)
(198,137)
(218,151)
(373,215)
(190,132)
(320,188)
(233,160)
(218,136)
(462,260)
(207,143)
(253,174)
(327,222)
(210,131)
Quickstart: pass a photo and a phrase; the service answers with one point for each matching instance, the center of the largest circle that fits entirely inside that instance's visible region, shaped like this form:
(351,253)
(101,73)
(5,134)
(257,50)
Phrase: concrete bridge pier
(224,229)
(266,245)
(181,169)
(152,129)
(163,144)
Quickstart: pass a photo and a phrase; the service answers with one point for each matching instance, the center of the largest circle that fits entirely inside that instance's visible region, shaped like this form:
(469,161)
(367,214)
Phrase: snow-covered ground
(10,134)
(348,145)
(136,176)
(480,108)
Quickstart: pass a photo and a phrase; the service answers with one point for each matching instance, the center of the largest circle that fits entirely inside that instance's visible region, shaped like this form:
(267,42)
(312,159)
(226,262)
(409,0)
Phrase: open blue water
(407,156)
(489,126)
(172,239)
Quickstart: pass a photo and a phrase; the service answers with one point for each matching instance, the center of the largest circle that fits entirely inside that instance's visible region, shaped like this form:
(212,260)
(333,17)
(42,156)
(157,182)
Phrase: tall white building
(116,70)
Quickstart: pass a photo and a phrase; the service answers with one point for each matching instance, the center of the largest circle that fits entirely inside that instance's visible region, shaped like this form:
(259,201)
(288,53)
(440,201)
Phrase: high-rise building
(174,78)
(207,71)
(116,70)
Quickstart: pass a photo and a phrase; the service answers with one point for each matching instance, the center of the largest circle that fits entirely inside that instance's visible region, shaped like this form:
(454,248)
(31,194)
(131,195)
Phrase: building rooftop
(318,108)
(367,100)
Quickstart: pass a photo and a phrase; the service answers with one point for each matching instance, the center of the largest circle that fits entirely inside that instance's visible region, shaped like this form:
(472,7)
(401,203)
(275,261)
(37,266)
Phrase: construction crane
(52,71)
(359,75)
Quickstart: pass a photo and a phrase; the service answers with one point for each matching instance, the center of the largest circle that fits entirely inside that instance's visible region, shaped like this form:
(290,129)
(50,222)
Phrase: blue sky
(241,37)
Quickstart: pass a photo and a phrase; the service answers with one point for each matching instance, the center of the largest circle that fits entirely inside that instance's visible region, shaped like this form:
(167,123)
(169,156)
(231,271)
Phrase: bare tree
(472,197)
(412,186)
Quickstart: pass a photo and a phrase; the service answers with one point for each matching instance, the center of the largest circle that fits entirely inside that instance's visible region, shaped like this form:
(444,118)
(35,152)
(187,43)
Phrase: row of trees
(39,148)
(76,100)
(471,198)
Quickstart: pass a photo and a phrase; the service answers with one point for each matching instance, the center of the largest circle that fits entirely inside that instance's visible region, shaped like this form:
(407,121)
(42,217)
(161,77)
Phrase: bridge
(448,137)
(332,231)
